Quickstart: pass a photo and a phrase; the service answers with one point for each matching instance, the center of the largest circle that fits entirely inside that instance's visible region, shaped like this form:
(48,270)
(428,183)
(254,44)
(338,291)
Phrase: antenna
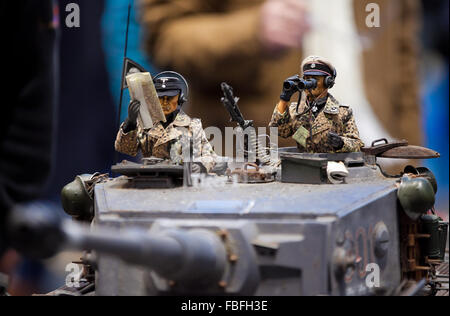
(116,155)
(123,67)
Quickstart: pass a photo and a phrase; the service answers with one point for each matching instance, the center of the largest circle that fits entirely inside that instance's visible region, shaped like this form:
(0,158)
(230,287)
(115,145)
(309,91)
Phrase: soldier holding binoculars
(317,122)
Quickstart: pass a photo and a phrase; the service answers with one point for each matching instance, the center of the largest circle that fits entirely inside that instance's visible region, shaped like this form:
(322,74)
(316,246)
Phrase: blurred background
(395,76)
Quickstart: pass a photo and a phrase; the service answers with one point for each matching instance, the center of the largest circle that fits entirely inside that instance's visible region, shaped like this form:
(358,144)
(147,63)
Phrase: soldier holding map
(164,139)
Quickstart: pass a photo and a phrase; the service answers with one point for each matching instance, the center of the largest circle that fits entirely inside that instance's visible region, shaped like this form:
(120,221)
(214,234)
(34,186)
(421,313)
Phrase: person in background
(27,123)
(435,94)
(87,116)
(251,45)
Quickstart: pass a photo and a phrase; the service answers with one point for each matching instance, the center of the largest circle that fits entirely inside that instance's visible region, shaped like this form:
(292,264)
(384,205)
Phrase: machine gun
(231,104)
(250,141)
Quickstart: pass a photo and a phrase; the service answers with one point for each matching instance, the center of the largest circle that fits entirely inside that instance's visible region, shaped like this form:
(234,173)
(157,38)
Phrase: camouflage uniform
(165,143)
(334,117)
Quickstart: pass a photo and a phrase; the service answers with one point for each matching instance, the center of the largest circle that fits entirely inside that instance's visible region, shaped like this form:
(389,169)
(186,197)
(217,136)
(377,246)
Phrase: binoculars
(300,84)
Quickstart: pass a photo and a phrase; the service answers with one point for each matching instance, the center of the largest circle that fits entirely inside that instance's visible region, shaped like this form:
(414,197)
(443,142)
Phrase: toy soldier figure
(164,140)
(318,122)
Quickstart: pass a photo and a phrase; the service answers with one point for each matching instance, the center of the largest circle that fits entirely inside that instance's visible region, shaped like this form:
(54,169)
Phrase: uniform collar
(332,105)
(157,130)
(322,101)
(182,119)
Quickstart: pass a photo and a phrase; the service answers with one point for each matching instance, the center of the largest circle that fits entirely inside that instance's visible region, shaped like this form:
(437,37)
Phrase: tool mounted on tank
(312,168)
(424,234)
(152,173)
(382,148)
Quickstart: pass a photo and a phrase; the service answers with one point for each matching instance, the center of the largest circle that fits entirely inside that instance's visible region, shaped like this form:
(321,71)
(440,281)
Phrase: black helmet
(170,83)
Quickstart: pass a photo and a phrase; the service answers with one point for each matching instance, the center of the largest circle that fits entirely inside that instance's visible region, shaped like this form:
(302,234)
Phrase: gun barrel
(231,104)
(174,254)
(195,256)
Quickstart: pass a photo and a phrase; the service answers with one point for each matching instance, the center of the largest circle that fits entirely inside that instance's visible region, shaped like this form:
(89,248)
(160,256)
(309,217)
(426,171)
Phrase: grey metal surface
(249,201)
(284,238)
(348,158)
(175,254)
(287,232)
(356,233)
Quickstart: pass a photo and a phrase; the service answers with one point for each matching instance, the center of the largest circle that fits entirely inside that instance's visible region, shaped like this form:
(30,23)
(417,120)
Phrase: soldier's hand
(133,110)
(284,24)
(335,141)
(130,123)
(288,89)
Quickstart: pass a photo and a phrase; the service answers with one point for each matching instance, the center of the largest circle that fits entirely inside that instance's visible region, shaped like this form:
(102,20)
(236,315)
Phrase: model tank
(293,224)
(157,230)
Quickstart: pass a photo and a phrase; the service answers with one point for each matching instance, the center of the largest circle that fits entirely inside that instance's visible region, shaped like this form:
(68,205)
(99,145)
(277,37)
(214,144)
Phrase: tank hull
(291,234)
